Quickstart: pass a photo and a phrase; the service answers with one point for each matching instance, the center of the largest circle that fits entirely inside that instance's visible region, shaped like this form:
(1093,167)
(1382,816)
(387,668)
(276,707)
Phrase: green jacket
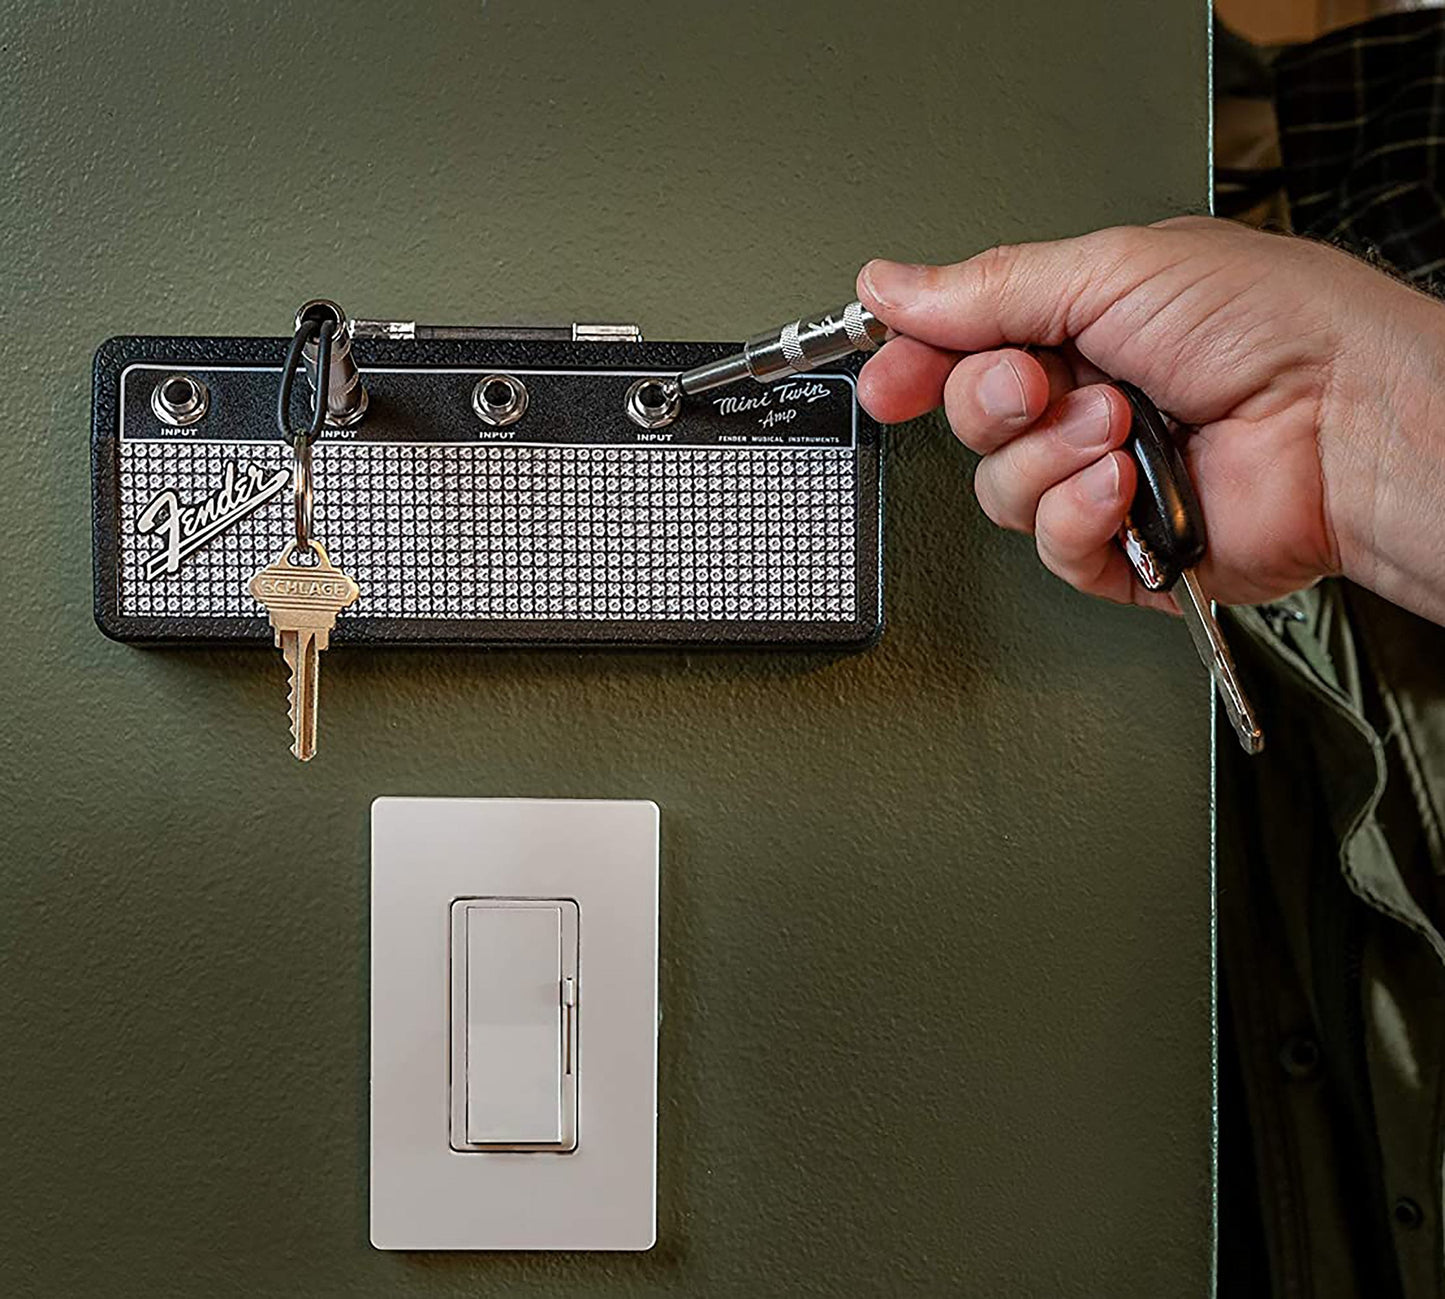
(1332,1008)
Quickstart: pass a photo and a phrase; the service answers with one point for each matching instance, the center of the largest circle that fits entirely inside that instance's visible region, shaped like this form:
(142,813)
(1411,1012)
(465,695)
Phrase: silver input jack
(180,401)
(345,393)
(499,399)
(653,402)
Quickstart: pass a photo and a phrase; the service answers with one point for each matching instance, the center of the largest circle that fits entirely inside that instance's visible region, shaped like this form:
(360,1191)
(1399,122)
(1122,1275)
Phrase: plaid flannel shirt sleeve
(1362,126)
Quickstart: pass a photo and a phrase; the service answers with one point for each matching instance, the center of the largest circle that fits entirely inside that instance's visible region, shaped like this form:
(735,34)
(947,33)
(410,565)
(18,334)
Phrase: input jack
(180,400)
(345,393)
(499,399)
(653,402)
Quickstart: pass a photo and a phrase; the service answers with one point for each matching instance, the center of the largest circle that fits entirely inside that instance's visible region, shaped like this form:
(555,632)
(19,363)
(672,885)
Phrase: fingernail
(892,282)
(1000,392)
(1100,481)
(1084,424)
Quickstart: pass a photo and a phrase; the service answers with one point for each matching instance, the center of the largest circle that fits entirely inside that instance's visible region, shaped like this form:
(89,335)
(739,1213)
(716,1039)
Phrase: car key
(1163,536)
(302,601)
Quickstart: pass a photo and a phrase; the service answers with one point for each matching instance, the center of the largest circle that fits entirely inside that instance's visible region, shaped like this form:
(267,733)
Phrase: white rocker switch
(514,1024)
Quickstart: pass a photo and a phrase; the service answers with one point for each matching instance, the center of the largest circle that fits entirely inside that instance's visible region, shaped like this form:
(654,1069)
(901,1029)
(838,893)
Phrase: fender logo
(184,529)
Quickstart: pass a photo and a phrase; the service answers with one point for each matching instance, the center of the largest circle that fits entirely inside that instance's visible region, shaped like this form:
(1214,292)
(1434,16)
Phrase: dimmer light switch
(513,1024)
(514,1013)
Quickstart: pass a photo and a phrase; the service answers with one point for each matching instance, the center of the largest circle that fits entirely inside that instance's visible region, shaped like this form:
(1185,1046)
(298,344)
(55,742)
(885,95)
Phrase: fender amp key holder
(487,485)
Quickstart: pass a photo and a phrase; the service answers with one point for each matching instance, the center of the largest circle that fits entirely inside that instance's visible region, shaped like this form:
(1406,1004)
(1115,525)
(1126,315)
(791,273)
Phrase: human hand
(1312,382)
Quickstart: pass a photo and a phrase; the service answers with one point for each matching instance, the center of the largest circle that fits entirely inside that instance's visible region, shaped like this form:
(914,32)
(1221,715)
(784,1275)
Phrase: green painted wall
(935,917)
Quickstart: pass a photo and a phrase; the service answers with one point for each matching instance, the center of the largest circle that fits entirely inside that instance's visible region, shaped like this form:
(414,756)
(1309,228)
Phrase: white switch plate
(536,855)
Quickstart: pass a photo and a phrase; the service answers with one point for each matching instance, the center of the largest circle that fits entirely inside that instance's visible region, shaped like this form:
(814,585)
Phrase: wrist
(1382,452)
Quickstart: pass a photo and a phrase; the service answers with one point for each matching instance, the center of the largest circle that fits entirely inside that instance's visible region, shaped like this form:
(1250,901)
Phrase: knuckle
(1050,558)
(990,501)
(1083,570)
(1058,532)
(962,426)
(963,415)
(998,259)
(993,269)
(1111,260)
(1115,245)
(1096,262)
(1080,572)
(1190,222)
(1115,240)
(1002,494)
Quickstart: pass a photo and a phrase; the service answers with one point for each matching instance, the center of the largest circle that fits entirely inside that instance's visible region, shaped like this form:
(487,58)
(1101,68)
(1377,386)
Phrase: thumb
(1042,293)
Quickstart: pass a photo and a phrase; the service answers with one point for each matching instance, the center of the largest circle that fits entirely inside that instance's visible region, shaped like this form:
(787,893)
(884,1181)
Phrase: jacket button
(1299,1057)
(1407,1213)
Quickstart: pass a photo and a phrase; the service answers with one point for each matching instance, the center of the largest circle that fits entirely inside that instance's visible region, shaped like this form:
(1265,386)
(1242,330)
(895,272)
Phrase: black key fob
(1163,533)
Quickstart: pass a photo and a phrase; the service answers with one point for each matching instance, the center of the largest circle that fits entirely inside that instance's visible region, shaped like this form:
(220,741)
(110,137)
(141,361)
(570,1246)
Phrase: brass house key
(303,601)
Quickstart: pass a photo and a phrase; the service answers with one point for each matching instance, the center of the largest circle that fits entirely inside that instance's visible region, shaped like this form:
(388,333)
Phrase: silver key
(1193,603)
(302,601)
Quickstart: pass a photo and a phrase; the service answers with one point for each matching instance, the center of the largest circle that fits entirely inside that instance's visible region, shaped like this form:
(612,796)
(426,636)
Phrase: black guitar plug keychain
(1163,533)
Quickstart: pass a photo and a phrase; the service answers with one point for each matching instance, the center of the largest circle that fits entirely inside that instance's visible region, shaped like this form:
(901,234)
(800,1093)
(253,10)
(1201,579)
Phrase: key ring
(324,330)
(301,484)
(301,439)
